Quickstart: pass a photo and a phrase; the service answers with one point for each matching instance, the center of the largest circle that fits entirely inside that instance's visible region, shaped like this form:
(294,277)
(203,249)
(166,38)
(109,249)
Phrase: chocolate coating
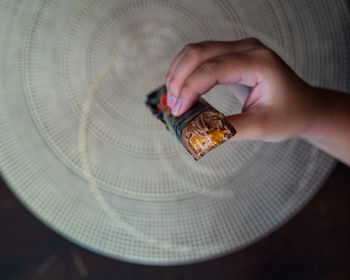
(202,126)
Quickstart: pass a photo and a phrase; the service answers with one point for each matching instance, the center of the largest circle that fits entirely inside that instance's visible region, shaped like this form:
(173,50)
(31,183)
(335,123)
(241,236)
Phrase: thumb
(249,125)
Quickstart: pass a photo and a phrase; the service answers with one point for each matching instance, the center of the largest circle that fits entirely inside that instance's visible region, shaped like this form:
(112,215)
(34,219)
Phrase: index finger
(194,54)
(225,69)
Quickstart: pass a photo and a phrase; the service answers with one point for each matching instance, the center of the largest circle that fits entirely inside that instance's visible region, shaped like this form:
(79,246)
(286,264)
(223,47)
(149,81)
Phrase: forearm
(331,127)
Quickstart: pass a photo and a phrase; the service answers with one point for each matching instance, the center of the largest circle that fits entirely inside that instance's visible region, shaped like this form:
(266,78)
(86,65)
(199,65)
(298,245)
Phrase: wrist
(319,115)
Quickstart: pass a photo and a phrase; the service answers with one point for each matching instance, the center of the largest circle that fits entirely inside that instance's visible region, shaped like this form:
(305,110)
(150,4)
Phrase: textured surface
(313,245)
(82,152)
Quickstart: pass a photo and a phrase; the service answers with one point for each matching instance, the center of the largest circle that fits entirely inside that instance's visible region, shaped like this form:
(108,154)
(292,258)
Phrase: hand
(279,106)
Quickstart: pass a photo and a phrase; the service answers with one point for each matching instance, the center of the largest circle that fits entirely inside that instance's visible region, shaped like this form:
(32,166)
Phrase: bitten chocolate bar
(200,129)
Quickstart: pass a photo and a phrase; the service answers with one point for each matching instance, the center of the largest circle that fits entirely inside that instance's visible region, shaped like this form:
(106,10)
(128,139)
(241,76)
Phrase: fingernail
(177,107)
(170,100)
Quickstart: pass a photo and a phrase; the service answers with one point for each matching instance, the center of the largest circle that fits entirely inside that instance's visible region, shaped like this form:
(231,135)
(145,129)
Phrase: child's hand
(280,104)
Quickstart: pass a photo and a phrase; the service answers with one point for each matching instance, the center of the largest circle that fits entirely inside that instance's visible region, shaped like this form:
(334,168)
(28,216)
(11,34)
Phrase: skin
(279,105)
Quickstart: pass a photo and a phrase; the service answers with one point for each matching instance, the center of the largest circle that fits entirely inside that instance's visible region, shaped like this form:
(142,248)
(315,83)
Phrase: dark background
(315,244)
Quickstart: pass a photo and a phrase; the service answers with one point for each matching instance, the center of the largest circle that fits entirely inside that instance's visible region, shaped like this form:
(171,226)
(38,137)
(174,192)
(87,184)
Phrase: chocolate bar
(199,130)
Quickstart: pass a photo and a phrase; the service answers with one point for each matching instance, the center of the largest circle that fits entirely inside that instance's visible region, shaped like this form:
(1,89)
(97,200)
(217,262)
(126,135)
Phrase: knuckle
(186,91)
(168,76)
(266,57)
(265,53)
(204,44)
(209,66)
(172,85)
(194,51)
(254,42)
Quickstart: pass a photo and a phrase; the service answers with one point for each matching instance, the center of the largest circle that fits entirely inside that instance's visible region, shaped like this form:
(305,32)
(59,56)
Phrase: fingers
(226,69)
(195,54)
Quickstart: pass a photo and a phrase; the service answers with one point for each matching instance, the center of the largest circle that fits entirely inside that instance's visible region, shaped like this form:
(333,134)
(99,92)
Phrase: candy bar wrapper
(199,130)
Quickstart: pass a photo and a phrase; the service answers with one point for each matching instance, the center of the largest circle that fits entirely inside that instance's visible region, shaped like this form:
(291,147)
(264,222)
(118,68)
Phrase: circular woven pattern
(82,152)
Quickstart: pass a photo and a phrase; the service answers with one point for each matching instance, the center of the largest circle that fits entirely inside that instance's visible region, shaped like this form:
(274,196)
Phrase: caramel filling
(213,138)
